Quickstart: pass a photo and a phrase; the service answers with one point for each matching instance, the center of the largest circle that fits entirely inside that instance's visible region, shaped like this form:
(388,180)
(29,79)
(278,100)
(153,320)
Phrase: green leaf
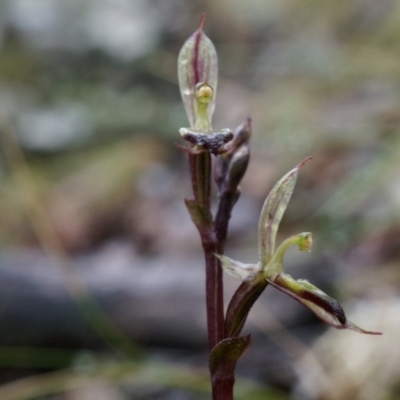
(197,62)
(323,306)
(225,354)
(272,212)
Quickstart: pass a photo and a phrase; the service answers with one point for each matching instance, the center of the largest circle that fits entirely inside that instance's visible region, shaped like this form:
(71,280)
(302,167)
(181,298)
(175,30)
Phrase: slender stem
(200,166)
(222,385)
(223,389)
(201,182)
(214,294)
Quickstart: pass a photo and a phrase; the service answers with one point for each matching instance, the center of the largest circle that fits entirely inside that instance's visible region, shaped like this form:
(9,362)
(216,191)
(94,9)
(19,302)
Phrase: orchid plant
(198,76)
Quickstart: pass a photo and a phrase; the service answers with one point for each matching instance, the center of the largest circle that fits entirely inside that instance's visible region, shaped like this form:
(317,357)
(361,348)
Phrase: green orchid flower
(198,78)
(270,270)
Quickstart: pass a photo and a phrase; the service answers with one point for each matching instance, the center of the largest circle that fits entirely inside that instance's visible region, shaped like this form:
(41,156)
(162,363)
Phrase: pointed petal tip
(353,327)
(248,121)
(305,161)
(323,306)
(202,21)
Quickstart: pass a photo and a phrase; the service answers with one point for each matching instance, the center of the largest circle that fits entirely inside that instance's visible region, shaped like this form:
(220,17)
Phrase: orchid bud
(232,164)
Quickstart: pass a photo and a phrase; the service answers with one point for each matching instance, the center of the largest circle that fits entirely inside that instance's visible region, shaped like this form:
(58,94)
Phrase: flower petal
(197,62)
(236,268)
(323,306)
(272,213)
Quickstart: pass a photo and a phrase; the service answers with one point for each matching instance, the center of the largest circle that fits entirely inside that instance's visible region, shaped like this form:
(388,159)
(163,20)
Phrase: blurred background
(101,273)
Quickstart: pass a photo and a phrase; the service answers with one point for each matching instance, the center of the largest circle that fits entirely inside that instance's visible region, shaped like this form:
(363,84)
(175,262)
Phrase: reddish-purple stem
(200,168)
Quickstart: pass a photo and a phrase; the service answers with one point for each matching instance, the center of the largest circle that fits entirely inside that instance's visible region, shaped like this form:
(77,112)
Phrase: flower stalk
(197,72)
(197,65)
